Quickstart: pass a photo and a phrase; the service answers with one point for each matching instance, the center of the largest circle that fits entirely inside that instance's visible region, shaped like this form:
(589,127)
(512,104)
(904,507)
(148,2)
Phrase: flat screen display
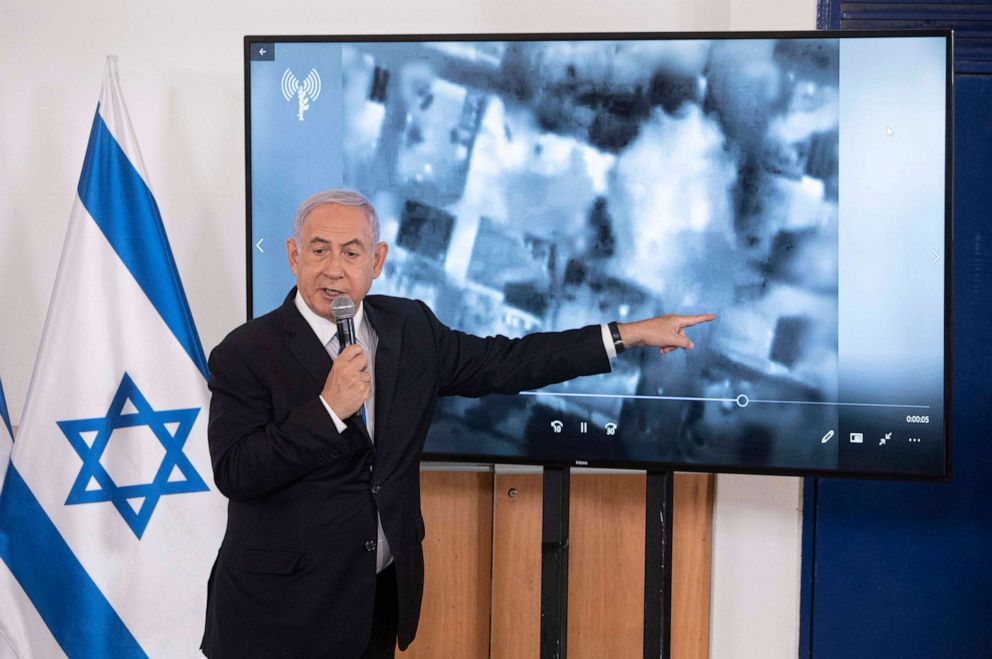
(796,184)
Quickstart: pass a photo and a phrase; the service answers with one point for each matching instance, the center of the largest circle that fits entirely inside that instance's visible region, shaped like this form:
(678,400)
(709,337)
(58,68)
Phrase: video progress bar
(741,400)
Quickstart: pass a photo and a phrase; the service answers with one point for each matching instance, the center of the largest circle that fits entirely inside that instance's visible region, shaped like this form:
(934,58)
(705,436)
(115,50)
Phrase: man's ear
(293,255)
(379,259)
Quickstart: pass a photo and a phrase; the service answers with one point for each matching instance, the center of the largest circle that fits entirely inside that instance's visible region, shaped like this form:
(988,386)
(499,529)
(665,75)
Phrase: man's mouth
(331,293)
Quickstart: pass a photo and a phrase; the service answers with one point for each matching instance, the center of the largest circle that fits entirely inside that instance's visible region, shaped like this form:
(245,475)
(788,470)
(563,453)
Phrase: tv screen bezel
(536,460)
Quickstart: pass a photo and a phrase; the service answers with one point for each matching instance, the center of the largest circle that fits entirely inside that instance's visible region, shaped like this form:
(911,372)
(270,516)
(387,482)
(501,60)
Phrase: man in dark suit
(320,458)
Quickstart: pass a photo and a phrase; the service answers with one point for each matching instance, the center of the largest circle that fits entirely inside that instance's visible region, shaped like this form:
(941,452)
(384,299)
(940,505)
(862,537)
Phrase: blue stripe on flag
(4,414)
(80,618)
(116,196)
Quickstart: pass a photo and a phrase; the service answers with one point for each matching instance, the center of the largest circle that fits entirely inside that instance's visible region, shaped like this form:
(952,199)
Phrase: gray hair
(341,198)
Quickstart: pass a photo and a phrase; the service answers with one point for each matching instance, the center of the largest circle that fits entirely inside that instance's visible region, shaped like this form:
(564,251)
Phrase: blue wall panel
(905,569)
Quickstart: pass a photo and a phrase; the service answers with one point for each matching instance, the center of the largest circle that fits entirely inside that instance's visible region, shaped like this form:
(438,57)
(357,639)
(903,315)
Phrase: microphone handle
(346,336)
(346,333)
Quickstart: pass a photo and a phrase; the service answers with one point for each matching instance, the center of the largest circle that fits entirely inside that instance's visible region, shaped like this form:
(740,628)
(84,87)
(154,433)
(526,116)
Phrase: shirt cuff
(611,350)
(338,423)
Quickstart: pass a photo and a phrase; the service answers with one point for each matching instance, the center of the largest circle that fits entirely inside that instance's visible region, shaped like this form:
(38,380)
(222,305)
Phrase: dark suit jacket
(295,575)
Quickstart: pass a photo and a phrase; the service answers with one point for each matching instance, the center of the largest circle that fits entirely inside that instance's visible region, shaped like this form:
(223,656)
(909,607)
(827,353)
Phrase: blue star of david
(161,484)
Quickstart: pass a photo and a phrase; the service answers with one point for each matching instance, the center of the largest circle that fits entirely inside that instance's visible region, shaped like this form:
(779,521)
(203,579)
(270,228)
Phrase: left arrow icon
(258,246)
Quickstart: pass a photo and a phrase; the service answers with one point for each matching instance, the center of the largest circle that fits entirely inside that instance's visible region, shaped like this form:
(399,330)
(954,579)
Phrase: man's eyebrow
(325,241)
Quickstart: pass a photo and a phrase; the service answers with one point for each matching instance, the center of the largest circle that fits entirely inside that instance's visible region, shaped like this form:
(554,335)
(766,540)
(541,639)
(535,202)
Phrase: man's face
(336,256)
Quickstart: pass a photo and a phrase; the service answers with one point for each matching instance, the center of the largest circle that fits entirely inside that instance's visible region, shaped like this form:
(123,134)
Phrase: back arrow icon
(258,246)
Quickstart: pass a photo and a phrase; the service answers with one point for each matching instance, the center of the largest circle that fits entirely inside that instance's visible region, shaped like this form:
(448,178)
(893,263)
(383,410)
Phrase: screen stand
(658,565)
(554,563)
(658,518)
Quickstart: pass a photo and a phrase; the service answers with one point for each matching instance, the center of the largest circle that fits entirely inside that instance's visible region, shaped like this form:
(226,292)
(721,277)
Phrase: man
(320,457)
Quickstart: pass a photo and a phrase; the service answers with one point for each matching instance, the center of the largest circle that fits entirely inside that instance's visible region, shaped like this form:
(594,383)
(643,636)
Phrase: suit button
(370,545)
(376,489)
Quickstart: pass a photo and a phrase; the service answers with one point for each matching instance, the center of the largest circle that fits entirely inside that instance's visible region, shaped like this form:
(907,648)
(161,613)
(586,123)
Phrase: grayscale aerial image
(528,186)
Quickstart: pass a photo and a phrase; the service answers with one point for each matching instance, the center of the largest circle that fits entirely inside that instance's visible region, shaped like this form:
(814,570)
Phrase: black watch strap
(615,335)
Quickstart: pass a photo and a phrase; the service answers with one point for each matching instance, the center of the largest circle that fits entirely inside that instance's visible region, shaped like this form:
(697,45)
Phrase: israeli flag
(6,434)
(16,632)
(109,518)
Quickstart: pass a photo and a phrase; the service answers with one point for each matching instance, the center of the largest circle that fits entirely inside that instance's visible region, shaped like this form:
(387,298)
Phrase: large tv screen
(796,184)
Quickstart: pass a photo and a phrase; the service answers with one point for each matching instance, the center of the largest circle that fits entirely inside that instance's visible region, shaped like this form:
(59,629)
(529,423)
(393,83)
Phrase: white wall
(182,75)
(757,541)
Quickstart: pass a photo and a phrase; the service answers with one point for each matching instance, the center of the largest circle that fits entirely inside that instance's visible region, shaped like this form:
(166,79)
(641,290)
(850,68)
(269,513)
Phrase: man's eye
(351,255)
(320,252)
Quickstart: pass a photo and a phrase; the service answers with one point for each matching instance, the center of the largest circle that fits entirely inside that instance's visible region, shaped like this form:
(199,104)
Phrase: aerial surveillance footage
(546,183)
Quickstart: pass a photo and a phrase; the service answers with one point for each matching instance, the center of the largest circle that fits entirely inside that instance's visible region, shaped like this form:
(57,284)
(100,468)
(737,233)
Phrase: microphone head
(342,308)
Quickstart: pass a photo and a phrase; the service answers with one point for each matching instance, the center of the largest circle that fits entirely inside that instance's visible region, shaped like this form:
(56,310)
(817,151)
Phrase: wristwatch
(615,335)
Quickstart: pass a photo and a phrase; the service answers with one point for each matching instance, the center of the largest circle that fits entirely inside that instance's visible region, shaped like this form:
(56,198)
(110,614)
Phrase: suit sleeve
(474,366)
(252,455)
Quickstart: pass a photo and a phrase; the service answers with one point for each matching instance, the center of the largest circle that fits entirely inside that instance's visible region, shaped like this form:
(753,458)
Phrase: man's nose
(332,267)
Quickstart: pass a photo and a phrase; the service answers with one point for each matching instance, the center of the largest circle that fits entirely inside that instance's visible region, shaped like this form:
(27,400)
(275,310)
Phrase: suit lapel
(388,329)
(303,343)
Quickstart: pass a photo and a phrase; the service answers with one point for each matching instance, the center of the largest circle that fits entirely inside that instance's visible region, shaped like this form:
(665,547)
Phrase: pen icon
(826,438)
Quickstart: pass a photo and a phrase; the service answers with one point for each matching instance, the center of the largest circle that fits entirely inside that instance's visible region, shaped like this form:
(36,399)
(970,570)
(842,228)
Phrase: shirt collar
(326,329)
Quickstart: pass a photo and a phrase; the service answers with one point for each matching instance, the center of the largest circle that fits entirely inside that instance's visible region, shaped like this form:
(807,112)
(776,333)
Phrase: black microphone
(343,310)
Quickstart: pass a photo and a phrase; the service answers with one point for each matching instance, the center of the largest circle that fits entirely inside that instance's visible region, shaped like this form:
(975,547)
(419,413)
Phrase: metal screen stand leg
(658,565)
(554,563)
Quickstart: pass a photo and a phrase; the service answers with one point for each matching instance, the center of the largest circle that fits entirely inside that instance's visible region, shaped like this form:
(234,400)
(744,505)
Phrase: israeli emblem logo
(132,456)
(305,92)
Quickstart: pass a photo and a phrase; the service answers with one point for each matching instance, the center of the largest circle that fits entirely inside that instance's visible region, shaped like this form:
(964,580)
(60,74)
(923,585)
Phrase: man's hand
(664,332)
(349,383)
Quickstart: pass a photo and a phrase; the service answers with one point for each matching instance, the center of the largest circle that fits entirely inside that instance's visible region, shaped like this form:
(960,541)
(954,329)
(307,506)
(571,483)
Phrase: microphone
(343,310)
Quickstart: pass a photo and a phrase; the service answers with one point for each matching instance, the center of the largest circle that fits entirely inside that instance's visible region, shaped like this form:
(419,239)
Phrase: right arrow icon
(935,257)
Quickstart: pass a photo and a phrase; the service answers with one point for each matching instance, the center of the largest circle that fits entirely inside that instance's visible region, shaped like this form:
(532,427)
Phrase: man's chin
(325,298)
(328,298)
(320,305)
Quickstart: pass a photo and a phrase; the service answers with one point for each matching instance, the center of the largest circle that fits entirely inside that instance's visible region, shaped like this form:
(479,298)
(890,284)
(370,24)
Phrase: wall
(757,534)
(181,71)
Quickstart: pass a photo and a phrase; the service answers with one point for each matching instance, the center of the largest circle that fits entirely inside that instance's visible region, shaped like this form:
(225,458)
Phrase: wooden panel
(516,606)
(606,566)
(454,621)
(692,547)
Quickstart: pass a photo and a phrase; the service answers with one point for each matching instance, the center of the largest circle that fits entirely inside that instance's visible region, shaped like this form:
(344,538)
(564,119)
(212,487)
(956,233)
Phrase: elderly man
(319,452)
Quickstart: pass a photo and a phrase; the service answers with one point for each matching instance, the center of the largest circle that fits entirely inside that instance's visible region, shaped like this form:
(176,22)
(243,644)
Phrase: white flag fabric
(109,518)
